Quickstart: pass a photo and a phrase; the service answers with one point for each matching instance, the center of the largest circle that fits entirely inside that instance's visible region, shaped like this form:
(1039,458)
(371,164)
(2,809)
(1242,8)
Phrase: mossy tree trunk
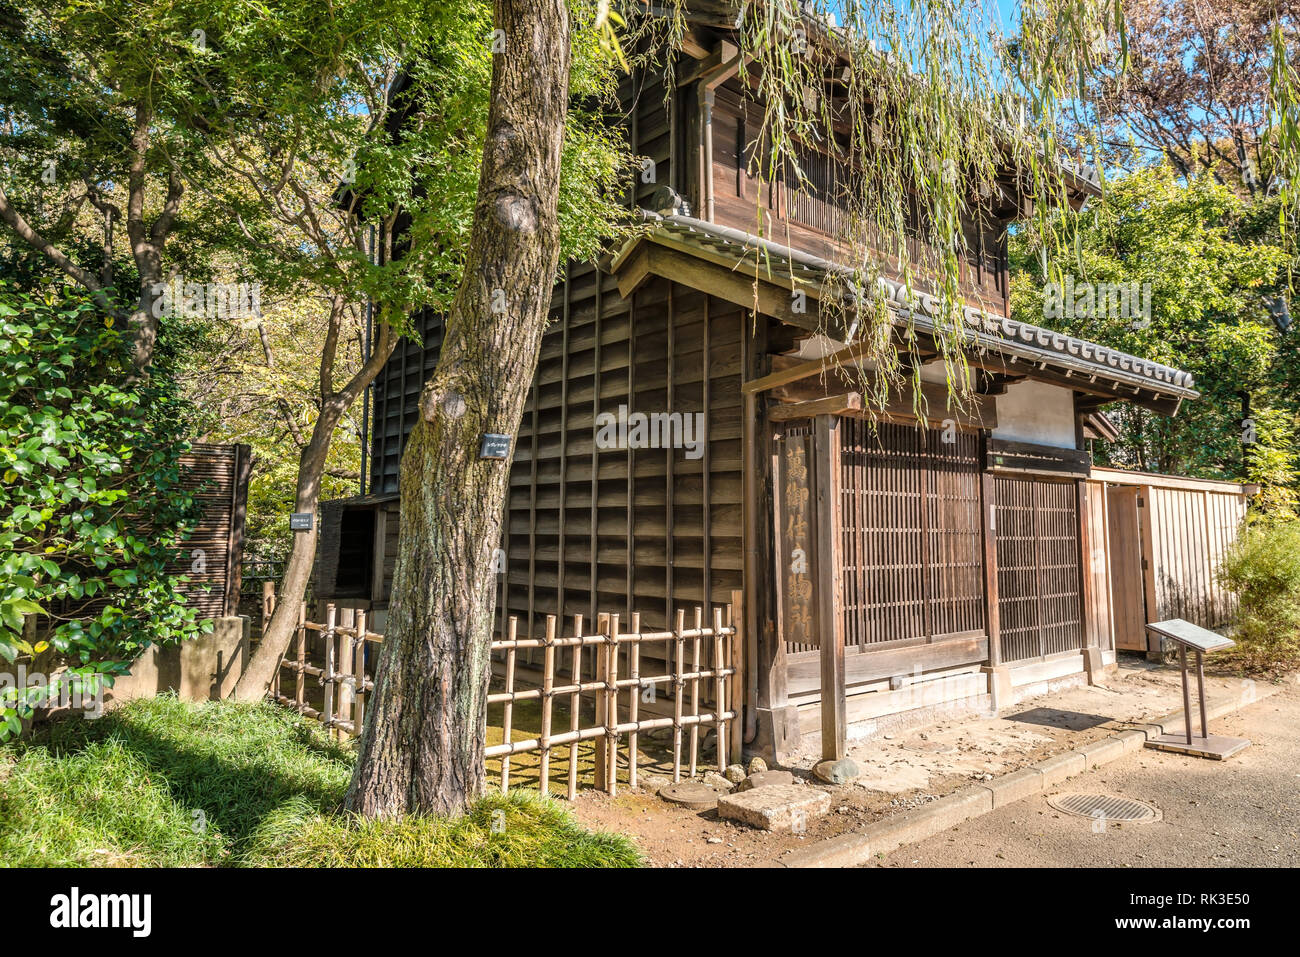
(422,748)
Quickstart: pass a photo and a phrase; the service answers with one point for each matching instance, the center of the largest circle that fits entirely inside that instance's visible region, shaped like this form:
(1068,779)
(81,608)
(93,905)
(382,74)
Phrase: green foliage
(91,496)
(1208,266)
(1263,568)
(161,782)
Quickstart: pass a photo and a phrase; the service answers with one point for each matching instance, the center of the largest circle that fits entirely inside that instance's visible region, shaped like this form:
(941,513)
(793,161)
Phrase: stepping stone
(775,807)
(693,795)
(836,772)
(765,779)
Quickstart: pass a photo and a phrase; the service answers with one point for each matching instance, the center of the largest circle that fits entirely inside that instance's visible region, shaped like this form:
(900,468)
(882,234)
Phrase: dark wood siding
(808,212)
(591,529)
(396,393)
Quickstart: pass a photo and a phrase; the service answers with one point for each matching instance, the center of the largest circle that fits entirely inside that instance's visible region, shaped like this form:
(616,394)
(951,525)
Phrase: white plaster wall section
(1036,412)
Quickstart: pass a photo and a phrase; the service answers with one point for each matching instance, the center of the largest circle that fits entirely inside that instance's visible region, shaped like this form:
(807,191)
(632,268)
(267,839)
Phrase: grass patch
(161,782)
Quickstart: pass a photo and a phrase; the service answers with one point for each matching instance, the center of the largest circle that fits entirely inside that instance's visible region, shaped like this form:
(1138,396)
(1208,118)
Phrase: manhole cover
(1105,807)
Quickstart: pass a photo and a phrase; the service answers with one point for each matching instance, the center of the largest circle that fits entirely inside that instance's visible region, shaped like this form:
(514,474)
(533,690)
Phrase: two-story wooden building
(889,564)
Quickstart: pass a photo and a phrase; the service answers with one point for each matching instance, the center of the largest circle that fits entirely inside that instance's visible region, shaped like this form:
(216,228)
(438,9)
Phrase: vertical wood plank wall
(1099,627)
(641,529)
(1186,524)
(1191,529)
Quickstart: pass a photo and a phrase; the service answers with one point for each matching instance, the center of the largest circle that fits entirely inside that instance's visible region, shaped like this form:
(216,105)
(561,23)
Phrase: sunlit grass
(162,782)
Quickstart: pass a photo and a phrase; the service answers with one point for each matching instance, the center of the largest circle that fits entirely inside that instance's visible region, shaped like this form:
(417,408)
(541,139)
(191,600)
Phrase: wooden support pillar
(830,620)
(991,618)
(1146,528)
(776,720)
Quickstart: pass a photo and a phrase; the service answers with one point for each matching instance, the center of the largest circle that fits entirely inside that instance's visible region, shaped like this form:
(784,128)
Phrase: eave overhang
(758,273)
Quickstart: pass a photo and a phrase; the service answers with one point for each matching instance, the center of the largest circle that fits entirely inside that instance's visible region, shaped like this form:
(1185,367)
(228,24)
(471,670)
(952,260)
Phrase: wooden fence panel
(1179,531)
(710,677)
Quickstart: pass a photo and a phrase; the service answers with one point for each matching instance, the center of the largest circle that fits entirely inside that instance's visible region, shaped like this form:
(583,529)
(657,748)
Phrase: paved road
(1243,812)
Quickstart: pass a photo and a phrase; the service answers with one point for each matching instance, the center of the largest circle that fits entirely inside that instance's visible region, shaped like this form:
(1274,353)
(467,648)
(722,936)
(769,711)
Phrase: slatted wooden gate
(910,538)
(910,525)
(1037,535)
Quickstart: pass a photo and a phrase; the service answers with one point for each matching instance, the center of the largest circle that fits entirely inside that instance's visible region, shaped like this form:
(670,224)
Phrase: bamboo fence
(600,675)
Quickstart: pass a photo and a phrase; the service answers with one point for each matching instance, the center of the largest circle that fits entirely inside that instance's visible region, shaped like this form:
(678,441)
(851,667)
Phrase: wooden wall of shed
(647,530)
(1191,528)
(810,217)
(1185,526)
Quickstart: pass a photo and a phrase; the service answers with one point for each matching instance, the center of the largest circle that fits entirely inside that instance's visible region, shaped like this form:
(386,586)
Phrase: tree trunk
(422,749)
(255,680)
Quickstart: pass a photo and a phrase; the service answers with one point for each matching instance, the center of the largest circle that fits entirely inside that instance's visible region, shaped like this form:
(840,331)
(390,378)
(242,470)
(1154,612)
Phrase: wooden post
(679,653)
(633,707)
(327,675)
(1087,621)
(719,689)
(300,690)
(834,723)
(992,619)
(344,664)
(359,677)
(548,682)
(508,708)
(575,707)
(600,752)
(611,710)
(736,692)
(695,688)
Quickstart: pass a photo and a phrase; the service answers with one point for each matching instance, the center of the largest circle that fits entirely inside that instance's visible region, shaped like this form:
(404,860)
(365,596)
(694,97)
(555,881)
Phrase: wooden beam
(804,675)
(830,620)
(1025,457)
(809,368)
(980,411)
(831,405)
(694,269)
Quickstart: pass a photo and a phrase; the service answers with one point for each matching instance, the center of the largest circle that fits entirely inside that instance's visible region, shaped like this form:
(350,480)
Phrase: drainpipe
(709,82)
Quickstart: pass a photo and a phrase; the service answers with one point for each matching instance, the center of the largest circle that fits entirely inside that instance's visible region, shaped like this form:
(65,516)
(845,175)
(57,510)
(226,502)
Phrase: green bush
(91,501)
(1263,568)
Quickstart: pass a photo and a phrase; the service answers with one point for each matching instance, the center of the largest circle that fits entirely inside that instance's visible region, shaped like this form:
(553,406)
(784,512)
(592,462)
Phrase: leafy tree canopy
(1196,259)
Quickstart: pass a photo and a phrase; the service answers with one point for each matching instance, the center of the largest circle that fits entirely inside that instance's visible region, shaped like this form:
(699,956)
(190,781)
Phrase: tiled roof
(985,330)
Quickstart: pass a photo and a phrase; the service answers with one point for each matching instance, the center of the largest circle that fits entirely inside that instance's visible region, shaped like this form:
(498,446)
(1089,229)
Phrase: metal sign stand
(1206,745)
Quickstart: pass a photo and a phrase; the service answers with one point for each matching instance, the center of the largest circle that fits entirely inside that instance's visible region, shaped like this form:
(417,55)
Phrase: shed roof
(1089,366)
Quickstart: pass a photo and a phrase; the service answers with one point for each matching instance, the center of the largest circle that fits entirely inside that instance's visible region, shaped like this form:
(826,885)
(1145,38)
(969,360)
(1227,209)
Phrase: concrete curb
(882,837)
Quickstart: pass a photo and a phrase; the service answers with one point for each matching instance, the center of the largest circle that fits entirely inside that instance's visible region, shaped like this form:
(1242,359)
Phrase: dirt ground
(899,771)
(1243,812)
